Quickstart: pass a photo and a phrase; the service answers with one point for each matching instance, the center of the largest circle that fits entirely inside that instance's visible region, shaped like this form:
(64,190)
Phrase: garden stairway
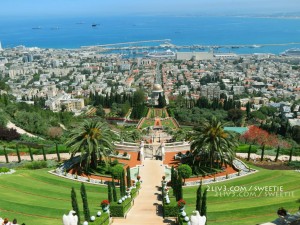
(147,206)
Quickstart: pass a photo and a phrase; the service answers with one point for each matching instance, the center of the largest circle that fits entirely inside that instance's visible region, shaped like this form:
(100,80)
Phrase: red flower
(181,203)
(105,202)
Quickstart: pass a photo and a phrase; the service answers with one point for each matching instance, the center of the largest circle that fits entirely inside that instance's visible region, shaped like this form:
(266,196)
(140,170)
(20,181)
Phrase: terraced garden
(36,197)
(249,206)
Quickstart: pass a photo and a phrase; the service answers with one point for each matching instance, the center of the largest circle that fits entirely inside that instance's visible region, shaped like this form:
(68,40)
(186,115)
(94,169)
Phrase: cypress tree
(291,154)
(18,153)
(128,177)
(75,204)
(198,199)
(123,191)
(179,188)
(5,153)
(175,178)
(262,153)
(86,210)
(44,153)
(30,153)
(57,152)
(114,191)
(249,152)
(109,194)
(172,177)
(203,205)
(277,153)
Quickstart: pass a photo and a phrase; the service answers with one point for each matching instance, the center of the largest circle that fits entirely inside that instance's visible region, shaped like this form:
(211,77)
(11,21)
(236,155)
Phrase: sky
(19,8)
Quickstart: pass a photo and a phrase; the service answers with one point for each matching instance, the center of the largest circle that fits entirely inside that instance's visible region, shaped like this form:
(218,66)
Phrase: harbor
(148,47)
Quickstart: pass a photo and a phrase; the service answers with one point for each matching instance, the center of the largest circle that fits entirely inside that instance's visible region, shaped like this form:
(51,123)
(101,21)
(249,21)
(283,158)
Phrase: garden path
(147,206)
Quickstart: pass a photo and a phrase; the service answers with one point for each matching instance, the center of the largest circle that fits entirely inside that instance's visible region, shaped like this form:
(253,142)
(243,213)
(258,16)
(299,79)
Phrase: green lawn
(238,207)
(37,197)
(168,123)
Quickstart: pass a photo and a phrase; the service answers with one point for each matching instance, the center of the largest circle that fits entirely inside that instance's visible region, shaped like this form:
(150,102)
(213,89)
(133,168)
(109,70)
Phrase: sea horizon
(75,32)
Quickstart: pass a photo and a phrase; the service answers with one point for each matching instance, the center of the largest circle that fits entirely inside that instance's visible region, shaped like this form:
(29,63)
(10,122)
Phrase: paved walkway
(147,206)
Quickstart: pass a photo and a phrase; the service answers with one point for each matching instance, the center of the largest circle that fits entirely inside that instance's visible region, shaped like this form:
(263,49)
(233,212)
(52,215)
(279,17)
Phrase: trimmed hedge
(170,210)
(181,220)
(134,192)
(103,219)
(120,210)
(138,185)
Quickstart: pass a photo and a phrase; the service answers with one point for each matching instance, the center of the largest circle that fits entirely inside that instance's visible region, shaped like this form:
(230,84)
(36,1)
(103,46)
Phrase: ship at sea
(166,54)
(292,52)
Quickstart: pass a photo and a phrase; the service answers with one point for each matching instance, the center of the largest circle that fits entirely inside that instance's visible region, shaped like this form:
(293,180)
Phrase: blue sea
(75,32)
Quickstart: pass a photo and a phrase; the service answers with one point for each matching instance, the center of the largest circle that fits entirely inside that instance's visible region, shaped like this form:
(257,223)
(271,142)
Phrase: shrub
(185,171)
(102,220)
(134,192)
(181,220)
(36,165)
(170,210)
(294,164)
(4,170)
(8,134)
(120,210)
(117,171)
(114,162)
(125,154)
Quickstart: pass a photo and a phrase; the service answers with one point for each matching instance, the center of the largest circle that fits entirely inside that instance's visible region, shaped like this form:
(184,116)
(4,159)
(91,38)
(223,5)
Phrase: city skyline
(16,8)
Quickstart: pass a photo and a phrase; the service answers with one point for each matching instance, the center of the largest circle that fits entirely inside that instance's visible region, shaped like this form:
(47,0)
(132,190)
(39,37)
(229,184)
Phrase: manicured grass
(168,123)
(147,123)
(37,197)
(238,207)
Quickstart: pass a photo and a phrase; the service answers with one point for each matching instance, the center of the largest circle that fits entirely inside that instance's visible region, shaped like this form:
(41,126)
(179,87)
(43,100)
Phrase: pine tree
(128,177)
(115,198)
(198,199)
(203,205)
(109,194)
(75,204)
(86,210)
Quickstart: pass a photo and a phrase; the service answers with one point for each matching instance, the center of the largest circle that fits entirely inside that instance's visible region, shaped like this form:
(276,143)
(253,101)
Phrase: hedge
(103,219)
(120,210)
(181,220)
(170,210)
(134,192)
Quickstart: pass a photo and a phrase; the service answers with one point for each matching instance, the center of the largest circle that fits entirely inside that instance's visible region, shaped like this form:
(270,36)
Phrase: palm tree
(210,143)
(93,139)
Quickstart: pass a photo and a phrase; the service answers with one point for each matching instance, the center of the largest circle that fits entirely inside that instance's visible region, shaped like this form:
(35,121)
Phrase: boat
(255,46)
(165,54)
(292,52)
